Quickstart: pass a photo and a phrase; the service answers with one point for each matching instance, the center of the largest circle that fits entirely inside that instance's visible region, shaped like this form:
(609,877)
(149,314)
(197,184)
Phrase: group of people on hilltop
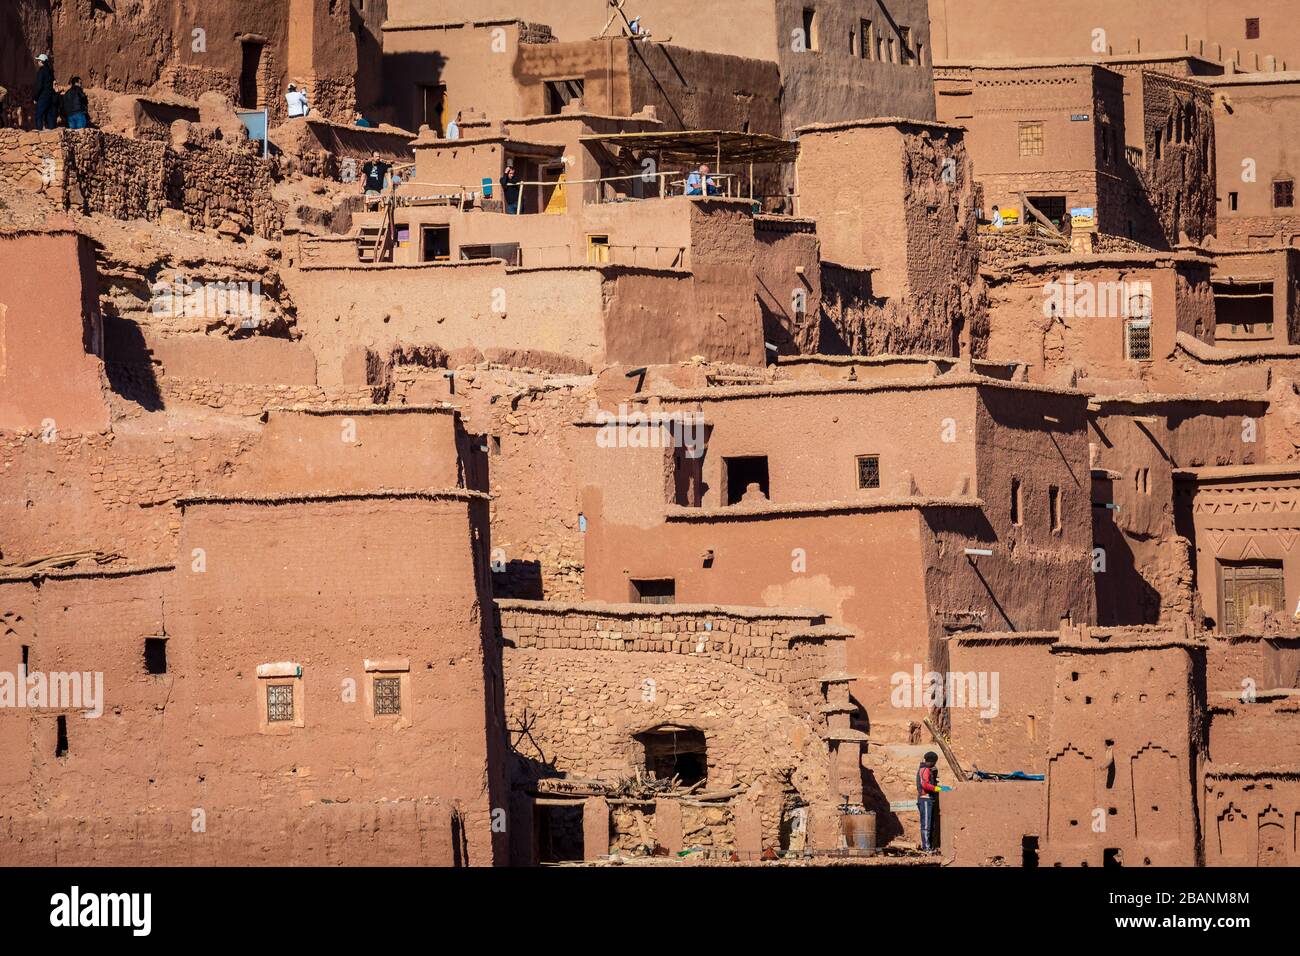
(50,104)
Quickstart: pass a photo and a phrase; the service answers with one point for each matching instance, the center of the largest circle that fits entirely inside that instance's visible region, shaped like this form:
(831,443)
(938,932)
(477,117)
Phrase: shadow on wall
(518,579)
(416,94)
(128,364)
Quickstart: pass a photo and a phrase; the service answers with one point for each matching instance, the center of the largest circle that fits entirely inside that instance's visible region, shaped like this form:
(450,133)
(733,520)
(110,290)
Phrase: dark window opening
(1113,856)
(1252,28)
(1015,501)
(1054,507)
(249,70)
(26,651)
(866,41)
(868,471)
(1053,207)
(61,742)
(1243,311)
(1232,202)
(559,833)
(507,252)
(810,28)
(676,752)
(741,474)
(654,591)
(1284,194)
(155,655)
(560,93)
(435,243)
(1029,851)
(433,107)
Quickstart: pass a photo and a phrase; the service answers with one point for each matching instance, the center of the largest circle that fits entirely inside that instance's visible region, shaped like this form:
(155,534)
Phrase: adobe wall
(991,104)
(51,336)
(1017,29)
(1251,156)
(390,578)
(1250,816)
(1124,754)
(986,823)
(1279,268)
(913,223)
(1059,314)
(1016,737)
(475,60)
(582,681)
(788,281)
(1225,515)
(1178,172)
(1146,546)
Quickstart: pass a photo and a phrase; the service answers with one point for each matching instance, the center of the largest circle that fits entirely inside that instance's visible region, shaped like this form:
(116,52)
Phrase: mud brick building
(459,524)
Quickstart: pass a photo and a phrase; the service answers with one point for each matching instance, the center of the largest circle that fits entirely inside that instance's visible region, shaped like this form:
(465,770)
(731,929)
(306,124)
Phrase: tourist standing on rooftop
(297,101)
(75,105)
(510,188)
(45,97)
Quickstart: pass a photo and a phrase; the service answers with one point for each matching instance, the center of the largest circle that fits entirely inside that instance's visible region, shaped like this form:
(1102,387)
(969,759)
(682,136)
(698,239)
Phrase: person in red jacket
(927,796)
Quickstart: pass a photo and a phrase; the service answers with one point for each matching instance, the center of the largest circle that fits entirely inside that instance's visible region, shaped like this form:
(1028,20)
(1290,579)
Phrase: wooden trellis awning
(703,146)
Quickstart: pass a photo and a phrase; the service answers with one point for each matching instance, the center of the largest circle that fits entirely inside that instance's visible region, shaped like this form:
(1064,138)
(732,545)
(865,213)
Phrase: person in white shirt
(453,128)
(297,100)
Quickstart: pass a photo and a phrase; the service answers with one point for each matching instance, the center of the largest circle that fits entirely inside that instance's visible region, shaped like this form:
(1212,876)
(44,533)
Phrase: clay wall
(1255,119)
(1250,817)
(1145,545)
(1238,515)
(912,223)
(1124,755)
(1061,314)
(1019,29)
(51,336)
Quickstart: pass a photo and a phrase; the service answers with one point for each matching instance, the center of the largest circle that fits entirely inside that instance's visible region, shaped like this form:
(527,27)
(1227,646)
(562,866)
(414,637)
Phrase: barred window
(1252,28)
(868,471)
(1284,194)
(388,695)
(279,702)
(1031,139)
(1137,340)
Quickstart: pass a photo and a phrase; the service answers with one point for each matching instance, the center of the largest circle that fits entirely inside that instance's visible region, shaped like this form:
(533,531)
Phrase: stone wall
(583,681)
(100,173)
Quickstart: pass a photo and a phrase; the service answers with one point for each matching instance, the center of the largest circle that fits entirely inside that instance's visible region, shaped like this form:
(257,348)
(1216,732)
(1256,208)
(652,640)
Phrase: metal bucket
(859,831)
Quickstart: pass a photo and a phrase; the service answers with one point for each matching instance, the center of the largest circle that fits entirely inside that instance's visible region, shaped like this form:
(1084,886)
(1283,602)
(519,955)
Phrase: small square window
(1284,194)
(1031,139)
(388,696)
(1252,28)
(279,702)
(1137,340)
(868,471)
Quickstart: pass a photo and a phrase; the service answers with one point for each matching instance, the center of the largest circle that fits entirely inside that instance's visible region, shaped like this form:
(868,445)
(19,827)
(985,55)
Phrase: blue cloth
(363,122)
(78,121)
(1014,775)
